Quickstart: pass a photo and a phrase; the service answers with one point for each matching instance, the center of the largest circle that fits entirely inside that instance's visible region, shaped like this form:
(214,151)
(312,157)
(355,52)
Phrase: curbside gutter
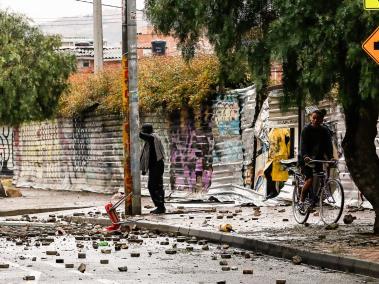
(324,260)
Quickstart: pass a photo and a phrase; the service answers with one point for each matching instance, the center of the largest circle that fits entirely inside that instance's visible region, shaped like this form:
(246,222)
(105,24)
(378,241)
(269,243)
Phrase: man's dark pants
(155,184)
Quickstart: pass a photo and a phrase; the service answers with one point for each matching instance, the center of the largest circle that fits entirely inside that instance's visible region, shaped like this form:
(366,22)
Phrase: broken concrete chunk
(170,251)
(81,255)
(181,239)
(135,254)
(223,262)
(348,219)
(82,267)
(205,247)
(296,259)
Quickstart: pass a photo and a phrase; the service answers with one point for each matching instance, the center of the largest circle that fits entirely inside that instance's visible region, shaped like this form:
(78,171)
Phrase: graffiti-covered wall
(70,154)
(227,152)
(208,149)
(6,150)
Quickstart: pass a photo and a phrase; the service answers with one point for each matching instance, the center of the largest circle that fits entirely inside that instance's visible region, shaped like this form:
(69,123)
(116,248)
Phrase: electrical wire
(107,5)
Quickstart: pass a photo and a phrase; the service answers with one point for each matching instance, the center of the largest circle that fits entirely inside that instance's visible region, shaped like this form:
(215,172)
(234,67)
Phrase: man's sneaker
(158,211)
(301,208)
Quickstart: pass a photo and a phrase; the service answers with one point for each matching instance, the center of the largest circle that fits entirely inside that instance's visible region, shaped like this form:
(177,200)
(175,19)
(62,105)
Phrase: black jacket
(316,143)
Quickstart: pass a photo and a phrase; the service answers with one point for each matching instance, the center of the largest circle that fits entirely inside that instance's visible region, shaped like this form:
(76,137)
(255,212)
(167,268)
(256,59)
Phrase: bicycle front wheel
(331,201)
(300,217)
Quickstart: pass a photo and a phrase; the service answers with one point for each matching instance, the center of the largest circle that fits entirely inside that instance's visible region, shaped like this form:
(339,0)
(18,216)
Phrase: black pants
(155,183)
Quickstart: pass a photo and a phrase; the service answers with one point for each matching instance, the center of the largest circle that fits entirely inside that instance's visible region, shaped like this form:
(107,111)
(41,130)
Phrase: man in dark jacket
(152,161)
(316,144)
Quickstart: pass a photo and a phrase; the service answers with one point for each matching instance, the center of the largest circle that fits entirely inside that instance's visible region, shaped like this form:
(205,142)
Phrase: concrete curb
(17,212)
(324,260)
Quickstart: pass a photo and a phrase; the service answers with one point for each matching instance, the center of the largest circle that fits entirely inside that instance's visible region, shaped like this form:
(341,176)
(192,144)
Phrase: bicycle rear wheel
(331,201)
(300,217)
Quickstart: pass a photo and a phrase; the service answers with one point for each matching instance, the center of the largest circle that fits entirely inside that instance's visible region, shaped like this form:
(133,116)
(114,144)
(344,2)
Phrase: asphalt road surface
(190,264)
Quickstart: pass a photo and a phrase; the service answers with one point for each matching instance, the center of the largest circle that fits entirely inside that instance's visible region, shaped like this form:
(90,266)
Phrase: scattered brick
(223,262)
(123,269)
(170,251)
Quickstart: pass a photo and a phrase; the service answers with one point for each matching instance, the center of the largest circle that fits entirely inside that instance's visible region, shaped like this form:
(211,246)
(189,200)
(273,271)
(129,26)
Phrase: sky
(72,18)
(42,10)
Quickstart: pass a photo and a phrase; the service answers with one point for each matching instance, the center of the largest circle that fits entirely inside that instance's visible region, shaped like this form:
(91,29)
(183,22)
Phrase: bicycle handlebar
(321,161)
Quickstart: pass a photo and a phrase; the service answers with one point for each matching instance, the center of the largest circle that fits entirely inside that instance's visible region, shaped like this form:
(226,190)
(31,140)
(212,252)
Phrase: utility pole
(98,35)
(132,183)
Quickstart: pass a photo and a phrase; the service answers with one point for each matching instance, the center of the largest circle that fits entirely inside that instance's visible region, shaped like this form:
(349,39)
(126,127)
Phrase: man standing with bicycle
(316,144)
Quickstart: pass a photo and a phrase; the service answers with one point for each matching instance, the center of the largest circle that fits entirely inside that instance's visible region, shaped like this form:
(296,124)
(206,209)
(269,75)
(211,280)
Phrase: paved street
(30,255)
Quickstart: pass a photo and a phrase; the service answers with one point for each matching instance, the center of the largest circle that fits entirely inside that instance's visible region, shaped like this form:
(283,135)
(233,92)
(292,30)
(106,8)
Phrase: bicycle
(326,191)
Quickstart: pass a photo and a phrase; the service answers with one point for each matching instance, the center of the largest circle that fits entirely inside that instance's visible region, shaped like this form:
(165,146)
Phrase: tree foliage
(87,90)
(170,83)
(32,73)
(233,28)
(164,83)
(319,43)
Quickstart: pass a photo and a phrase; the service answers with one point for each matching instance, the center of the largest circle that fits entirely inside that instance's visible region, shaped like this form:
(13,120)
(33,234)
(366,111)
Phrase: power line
(107,5)
(90,19)
(79,24)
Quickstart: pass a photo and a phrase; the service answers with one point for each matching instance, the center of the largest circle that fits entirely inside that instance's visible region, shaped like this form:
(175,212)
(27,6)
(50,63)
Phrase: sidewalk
(38,201)
(277,225)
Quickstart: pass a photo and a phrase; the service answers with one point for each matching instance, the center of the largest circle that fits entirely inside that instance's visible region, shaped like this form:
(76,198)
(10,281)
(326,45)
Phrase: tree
(33,73)
(319,44)
(166,83)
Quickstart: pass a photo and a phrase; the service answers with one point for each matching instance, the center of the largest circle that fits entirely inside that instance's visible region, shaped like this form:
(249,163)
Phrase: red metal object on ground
(111,211)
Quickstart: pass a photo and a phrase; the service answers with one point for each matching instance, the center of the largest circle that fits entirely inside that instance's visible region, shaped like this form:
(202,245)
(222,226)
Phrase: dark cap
(147,128)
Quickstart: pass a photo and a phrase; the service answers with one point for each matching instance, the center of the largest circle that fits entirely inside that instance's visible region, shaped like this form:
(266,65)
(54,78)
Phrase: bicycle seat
(289,163)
